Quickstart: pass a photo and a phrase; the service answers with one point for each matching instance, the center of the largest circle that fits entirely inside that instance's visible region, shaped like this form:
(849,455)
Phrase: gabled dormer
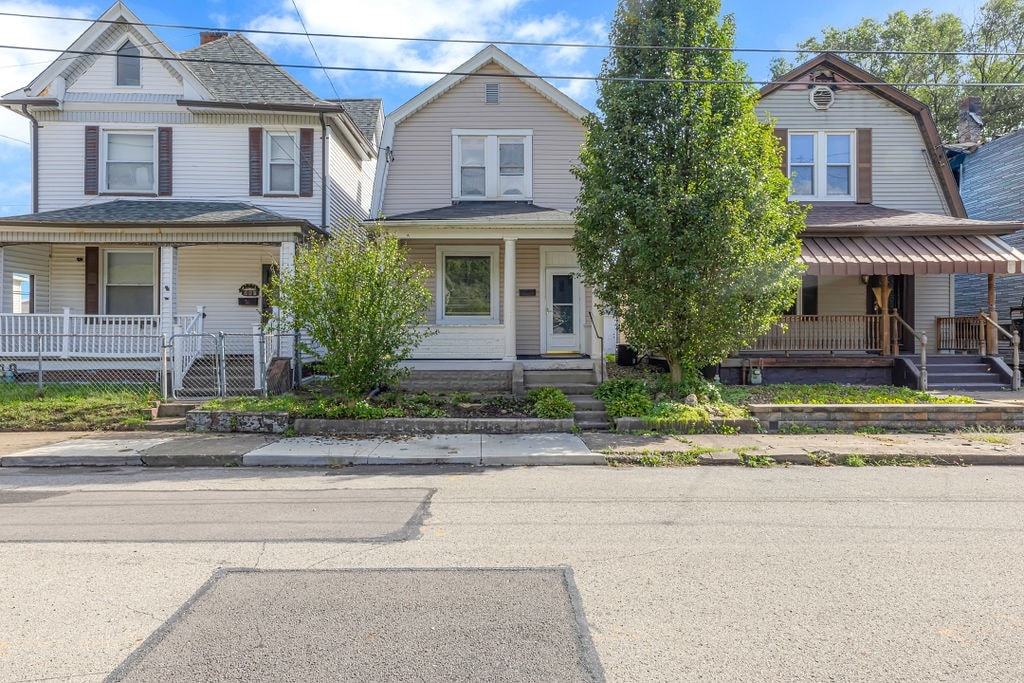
(490,131)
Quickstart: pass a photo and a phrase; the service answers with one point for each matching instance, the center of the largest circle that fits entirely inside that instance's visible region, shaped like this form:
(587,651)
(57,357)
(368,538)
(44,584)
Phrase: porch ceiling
(910,255)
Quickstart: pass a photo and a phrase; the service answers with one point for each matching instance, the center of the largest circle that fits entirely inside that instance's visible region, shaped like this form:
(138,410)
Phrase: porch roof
(909,255)
(475,212)
(847,218)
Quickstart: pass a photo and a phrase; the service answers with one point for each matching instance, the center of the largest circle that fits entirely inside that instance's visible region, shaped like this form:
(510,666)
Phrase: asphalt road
(714,574)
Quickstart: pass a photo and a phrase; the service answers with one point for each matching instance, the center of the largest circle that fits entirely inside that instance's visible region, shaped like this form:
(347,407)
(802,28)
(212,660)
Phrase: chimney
(210,36)
(969,125)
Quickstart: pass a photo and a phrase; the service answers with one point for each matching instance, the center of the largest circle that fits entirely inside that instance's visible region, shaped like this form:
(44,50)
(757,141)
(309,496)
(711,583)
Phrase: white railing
(186,344)
(266,347)
(69,335)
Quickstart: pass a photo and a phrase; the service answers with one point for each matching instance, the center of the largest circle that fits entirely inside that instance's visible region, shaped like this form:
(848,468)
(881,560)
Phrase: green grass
(816,394)
(73,407)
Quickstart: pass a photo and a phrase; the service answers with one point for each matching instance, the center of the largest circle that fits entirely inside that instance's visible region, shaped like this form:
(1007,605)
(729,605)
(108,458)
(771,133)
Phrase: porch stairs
(201,380)
(578,385)
(947,372)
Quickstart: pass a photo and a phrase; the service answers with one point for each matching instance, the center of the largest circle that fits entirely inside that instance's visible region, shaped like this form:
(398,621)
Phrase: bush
(614,389)
(361,301)
(631,405)
(550,403)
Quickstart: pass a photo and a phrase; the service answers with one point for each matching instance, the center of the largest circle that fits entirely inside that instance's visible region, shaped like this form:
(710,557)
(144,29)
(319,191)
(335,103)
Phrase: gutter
(34,146)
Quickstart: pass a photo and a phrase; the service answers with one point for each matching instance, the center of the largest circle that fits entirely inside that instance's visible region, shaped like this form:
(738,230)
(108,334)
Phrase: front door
(563,311)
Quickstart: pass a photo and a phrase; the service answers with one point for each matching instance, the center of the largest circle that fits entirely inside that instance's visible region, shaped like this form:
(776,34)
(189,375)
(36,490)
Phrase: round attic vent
(822,97)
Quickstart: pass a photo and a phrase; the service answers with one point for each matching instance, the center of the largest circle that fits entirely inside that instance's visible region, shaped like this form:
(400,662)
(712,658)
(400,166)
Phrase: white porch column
(510,298)
(286,266)
(168,289)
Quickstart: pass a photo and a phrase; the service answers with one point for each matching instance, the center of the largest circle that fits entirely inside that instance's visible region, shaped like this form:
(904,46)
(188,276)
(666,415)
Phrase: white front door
(563,311)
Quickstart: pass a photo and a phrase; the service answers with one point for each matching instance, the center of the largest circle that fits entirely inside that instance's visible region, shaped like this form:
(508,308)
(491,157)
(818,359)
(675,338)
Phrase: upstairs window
(282,171)
(492,164)
(821,165)
(129,66)
(129,161)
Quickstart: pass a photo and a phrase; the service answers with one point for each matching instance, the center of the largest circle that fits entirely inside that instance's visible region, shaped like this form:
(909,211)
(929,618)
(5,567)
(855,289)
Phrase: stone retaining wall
(427,425)
(716,426)
(236,421)
(917,417)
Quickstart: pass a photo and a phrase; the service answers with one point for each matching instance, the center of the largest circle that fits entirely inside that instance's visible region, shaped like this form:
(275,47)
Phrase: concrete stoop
(590,414)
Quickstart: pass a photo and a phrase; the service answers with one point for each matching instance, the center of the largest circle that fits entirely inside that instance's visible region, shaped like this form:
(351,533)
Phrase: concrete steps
(948,372)
(590,415)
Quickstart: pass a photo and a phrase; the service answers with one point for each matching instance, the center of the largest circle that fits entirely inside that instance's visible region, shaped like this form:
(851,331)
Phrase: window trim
(466,250)
(268,135)
(105,264)
(821,165)
(104,145)
(491,163)
(117,70)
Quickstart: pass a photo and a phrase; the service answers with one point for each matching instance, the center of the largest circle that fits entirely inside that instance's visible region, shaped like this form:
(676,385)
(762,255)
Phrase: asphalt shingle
(126,211)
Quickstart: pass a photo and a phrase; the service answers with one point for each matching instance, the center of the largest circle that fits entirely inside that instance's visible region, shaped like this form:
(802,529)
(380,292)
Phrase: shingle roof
(366,112)
(243,82)
(488,211)
(844,216)
(160,212)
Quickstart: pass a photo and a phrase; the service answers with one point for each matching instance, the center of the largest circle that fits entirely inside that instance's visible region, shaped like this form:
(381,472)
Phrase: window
(129,161)
(130,283)
(492,164)
(467,282)
(821,165)
(129,66)
(22,286)
(282,172)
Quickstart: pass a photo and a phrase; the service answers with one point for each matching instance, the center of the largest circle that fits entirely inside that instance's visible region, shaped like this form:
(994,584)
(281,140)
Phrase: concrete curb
(438,425)
(715,426)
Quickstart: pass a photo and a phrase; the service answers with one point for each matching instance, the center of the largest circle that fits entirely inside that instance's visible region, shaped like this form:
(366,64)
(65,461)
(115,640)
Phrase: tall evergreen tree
(684,229)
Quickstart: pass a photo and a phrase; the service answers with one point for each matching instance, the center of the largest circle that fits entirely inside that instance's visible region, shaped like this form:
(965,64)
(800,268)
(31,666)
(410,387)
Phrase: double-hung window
(492,164)
(129,160)
(821,164)
(282,159)
(467,285)
(130,282)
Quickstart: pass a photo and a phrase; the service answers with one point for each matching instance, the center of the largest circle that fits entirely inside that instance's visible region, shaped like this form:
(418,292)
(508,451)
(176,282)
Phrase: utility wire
(551,77)
(316,54)
(8,137)
(524,43)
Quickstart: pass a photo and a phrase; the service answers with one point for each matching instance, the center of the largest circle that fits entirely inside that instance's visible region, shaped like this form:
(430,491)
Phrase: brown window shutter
(255,162)
(92,280)
(863,165)
(92,160)
(305,162)
(782,135)
(164,161)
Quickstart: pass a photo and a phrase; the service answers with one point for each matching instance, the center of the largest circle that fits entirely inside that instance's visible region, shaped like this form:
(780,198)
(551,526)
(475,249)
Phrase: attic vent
(492,93)
(822,97)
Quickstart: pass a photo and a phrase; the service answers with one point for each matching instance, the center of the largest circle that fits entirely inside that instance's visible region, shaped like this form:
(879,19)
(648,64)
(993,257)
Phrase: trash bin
(625,355)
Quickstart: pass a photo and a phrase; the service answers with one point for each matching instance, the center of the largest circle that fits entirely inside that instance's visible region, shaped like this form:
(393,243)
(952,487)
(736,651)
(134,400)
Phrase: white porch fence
(73,335)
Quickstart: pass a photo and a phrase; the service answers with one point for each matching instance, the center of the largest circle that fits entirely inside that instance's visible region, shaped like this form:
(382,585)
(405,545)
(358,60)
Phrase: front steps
(590,415)
(948,372)
(578,386)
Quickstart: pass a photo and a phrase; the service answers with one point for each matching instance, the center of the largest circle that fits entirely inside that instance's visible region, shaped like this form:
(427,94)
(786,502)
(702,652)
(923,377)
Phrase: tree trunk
(675,370)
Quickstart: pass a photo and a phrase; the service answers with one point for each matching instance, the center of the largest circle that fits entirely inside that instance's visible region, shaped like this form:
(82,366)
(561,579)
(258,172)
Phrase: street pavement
(682,574)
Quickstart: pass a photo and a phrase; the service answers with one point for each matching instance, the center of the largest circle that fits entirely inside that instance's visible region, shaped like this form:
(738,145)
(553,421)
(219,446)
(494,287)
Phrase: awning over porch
(845,239)
(910,255)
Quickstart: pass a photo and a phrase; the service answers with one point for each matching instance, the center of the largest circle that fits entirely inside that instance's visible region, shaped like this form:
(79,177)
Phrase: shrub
(550,403)
(619,388)
(630,405)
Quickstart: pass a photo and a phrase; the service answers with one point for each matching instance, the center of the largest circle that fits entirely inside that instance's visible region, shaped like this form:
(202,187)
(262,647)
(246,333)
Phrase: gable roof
(123,212)
(114,20)
(801,75)
(367,112)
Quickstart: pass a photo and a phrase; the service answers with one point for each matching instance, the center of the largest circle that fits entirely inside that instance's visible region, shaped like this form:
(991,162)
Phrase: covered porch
(878,298)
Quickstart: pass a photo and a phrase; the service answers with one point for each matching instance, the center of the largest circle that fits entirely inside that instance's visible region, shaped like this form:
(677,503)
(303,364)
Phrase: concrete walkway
(181,449)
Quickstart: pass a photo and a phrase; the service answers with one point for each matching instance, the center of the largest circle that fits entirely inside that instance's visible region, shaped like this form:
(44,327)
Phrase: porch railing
(823,334)
(70,335)
(959,333)
(187,345)
(1014,339)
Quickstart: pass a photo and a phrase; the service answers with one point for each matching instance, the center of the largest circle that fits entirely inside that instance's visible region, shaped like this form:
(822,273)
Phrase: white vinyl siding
(67,278)
(29,260)
(207,278)
(902,176)
(933,297)
(419,178)
(101,76)
(351,189)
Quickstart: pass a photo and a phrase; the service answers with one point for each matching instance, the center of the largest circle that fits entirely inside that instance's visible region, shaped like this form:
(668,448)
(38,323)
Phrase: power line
(550,77)
(8,137)
(316,54)
(523,43)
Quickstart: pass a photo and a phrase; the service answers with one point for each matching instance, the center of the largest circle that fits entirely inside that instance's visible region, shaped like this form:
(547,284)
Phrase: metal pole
(222,370)
(262,371)
(39,357)
(1015,341)
(164,369)
(924,361)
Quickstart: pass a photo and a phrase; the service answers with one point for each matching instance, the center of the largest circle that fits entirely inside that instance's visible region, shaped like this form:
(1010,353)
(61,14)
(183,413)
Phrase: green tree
(999,27)
(684,230)
(361,302)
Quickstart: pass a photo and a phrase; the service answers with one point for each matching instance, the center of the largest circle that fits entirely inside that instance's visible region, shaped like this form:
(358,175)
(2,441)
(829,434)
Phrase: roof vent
(492,93)
(822,97)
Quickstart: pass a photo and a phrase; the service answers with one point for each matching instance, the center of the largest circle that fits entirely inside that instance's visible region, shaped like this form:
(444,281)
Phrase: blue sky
(760,24)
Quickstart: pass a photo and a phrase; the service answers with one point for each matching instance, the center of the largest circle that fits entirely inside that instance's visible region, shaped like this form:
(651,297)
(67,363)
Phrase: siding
(933,297)
(32,260)
(841,296)
(100,77)
(207,278)
(990,184)
(420,176)
(902,178)
(67,278)
(351,185)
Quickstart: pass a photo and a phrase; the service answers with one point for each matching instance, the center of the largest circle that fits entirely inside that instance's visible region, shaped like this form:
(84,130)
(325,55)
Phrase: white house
(166,183)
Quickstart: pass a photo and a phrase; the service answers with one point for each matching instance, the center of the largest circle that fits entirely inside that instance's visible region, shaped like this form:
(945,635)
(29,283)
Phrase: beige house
(475,178)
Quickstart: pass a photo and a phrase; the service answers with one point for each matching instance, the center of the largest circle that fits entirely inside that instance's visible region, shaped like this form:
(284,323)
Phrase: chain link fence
(182,366)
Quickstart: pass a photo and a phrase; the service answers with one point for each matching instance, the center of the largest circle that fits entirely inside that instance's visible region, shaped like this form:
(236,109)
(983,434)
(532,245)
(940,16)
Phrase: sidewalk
(180,449)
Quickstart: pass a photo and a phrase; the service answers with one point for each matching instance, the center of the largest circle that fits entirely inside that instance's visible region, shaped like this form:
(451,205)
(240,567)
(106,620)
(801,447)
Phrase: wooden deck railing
(823,334)
(959,333)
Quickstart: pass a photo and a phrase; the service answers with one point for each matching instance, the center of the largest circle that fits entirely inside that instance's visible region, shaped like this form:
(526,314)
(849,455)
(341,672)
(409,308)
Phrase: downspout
(35,157)
(324,184)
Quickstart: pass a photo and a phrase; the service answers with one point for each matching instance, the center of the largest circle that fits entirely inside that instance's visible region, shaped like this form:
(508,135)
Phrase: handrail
(600,339)
(1014,344)
(922,338)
